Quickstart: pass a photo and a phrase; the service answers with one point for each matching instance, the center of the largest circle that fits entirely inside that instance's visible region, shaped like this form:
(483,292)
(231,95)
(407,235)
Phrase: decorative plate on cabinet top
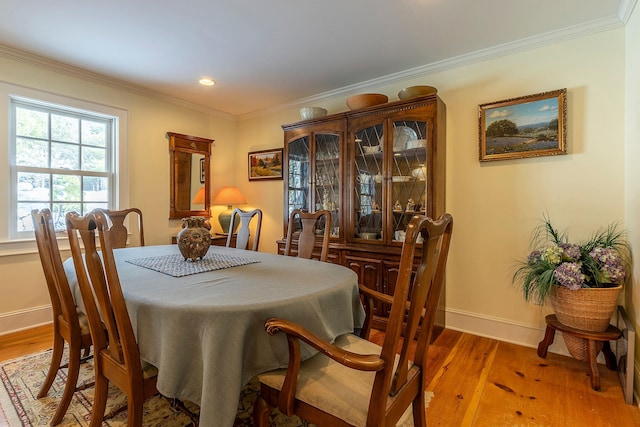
(415,91)
(307,113)
(366,100)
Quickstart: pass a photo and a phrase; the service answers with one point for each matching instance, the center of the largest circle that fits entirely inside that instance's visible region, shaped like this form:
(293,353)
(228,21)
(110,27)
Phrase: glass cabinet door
(299,175)
(368,176)
(327,185)
(409,174)
(314,180)
(390,182)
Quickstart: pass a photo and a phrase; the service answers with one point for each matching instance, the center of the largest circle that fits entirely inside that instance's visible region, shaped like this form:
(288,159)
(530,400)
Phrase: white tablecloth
(205,332)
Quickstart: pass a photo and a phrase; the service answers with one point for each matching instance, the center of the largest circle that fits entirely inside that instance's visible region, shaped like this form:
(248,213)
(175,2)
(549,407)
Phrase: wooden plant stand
(611,334)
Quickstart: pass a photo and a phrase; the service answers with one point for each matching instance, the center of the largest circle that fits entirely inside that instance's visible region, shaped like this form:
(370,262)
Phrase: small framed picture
(202,171)
(265,164)
(528,126)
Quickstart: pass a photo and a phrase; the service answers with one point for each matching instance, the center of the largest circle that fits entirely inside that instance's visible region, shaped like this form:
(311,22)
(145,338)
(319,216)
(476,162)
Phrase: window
(62,159)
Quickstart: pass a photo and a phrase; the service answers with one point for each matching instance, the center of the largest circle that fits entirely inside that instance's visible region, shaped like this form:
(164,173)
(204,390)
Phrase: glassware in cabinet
(368,185)
(327,185)
(409,173)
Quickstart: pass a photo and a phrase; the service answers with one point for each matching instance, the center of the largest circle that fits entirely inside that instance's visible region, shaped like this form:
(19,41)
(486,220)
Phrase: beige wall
(495,205)
(632,171)
(23,296)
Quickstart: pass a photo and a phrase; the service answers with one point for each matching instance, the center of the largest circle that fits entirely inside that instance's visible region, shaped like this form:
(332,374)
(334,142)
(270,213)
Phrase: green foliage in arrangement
(599,262)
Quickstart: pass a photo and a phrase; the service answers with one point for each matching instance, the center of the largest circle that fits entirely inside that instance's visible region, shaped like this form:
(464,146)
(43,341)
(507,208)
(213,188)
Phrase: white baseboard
(500,329)
(25,319)
(516,333)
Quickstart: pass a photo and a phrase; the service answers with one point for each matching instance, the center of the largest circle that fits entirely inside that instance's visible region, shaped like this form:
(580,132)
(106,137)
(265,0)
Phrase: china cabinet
(314,170)
(373,168)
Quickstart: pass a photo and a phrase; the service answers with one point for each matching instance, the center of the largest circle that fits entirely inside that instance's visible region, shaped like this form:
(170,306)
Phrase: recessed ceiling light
(206,82)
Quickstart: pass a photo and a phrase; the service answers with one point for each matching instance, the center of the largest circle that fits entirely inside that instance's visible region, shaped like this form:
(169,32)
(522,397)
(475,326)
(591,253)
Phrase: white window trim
(10,246)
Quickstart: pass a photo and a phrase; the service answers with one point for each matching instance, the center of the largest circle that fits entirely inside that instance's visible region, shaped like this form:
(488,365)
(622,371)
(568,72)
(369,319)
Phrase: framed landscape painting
(265,164)
(528,126)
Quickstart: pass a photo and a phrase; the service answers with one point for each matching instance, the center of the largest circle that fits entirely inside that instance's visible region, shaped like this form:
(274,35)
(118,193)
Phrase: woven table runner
(176,266)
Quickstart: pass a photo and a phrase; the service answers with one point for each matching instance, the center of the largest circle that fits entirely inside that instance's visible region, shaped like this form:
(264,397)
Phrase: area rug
(21,378)
(20,381)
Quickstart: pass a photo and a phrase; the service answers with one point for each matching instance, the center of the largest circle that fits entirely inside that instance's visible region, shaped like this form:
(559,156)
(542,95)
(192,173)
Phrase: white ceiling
(269,53)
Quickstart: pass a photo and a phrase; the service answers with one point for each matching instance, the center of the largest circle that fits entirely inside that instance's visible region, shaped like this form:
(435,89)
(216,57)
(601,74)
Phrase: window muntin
(62,159)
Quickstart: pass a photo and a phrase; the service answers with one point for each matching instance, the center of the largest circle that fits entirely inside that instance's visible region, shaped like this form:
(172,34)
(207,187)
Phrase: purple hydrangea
(535,257)
(569,275)
(571,251)
(610,264)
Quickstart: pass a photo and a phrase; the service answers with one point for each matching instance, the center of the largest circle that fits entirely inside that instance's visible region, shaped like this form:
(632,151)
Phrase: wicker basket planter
(588,309)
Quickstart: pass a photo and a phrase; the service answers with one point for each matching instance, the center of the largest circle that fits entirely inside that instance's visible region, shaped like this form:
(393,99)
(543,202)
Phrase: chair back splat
(119,230)
(243,235)
(354,382)
(305,228)
(69,323)
(117,357)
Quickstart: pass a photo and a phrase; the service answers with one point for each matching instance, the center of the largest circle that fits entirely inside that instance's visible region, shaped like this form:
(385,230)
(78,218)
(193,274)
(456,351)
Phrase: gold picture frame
(527,126)
(265,164)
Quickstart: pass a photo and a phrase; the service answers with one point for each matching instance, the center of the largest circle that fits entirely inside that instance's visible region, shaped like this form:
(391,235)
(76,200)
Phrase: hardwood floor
(26,342)
(484,382)
(480,382)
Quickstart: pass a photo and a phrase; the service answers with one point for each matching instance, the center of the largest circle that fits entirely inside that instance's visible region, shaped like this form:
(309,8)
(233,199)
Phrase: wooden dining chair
(116,354)
(354,382)
(119,230)
(70,324)
(307,237)
(243,234)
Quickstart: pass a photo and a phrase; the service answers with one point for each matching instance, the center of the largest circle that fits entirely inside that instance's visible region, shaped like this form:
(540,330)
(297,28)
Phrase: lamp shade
(228,196)
(199,197)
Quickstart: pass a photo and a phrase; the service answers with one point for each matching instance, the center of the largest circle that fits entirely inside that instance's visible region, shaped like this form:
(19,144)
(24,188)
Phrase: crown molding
(625,9)
(529,43)
(619,20)
(90,76)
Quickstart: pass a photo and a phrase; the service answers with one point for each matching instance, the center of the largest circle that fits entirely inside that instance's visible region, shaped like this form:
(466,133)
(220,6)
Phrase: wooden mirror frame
(182,148)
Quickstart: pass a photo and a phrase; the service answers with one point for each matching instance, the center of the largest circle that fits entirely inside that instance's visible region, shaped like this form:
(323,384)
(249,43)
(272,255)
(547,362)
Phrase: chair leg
(70,387)
(99,400)
(261,412)
(56,358)
(420,411)
(134,407)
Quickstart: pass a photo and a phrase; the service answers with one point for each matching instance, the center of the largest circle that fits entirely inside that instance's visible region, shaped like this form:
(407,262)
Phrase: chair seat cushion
(148,370)
(334,388)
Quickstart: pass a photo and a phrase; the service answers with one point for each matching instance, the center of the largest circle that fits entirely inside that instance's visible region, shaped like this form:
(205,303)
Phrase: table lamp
(228,196)
(199,197)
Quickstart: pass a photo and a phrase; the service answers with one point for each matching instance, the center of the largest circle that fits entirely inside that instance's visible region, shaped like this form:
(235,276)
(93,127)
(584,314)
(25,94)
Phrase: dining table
(202,323)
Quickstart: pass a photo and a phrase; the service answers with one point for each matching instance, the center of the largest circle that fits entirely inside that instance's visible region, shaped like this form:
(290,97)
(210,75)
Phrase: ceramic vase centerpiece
(194,239)
(582,281)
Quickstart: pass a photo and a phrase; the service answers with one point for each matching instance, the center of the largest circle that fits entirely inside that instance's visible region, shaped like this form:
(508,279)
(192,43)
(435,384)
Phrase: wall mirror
(190,186)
